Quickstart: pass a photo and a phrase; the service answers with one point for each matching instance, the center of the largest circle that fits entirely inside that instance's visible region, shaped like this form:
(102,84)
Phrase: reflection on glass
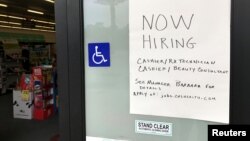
(111,4)
(107,13)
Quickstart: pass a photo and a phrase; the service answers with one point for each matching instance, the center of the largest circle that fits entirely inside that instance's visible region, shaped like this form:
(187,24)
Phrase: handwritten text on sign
(180,58)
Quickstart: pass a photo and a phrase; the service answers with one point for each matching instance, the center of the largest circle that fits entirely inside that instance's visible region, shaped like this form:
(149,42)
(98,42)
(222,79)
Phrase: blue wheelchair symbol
(99,54)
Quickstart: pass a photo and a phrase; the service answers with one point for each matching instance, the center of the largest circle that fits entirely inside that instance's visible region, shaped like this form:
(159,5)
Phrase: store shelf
(2,72)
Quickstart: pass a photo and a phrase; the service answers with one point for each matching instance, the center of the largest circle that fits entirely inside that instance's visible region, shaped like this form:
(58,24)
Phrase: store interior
(28,75)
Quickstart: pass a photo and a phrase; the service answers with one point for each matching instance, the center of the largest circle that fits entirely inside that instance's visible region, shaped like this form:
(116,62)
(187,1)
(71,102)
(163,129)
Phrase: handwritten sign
(180,58)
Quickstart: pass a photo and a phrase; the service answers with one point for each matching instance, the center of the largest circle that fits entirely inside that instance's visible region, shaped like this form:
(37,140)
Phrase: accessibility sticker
(99,54)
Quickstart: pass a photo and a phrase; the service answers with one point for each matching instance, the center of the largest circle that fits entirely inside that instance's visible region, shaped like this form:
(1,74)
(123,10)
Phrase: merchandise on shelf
(40,55)
(43,98)
(12,61)
(26,82)
(42,114)
(34,99)
(19,58)
(3,77)
(55,91)
(12,50)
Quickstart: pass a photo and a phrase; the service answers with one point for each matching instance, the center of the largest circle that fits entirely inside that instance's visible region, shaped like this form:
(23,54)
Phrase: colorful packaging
(26,82)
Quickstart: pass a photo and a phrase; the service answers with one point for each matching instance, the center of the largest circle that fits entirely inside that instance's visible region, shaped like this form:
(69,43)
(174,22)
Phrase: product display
(55,89)
(26,82)
(22,104)
(42,88)
(26,69)
(23,98)
(36,91)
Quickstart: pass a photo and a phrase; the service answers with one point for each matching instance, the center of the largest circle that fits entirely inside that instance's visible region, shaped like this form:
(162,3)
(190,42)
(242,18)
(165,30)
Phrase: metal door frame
(70,42)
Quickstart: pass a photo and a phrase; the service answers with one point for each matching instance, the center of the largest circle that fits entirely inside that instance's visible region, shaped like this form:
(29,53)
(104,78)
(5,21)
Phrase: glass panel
(107,88)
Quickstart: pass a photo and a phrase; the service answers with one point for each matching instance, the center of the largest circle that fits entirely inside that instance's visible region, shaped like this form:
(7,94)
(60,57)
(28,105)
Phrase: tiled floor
(24,130)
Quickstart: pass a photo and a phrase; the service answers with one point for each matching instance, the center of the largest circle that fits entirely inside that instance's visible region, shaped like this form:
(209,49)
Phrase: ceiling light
(2,15)
(51,1)
(15,27)
(47,27)
(14,23)
(43,30)
(6,22)
(13,17)
(5,26)
(36,12)
(3,5)
(40,21)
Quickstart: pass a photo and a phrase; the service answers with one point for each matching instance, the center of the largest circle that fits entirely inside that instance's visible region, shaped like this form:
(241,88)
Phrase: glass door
(106,25)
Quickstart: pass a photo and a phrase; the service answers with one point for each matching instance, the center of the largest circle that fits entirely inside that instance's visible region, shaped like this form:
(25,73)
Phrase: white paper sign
(180,58)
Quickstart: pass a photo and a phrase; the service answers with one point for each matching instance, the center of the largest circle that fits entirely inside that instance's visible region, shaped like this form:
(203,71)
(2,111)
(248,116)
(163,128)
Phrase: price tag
(25,96)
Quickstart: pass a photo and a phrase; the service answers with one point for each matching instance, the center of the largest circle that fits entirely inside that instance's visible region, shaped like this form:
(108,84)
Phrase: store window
(107,37)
